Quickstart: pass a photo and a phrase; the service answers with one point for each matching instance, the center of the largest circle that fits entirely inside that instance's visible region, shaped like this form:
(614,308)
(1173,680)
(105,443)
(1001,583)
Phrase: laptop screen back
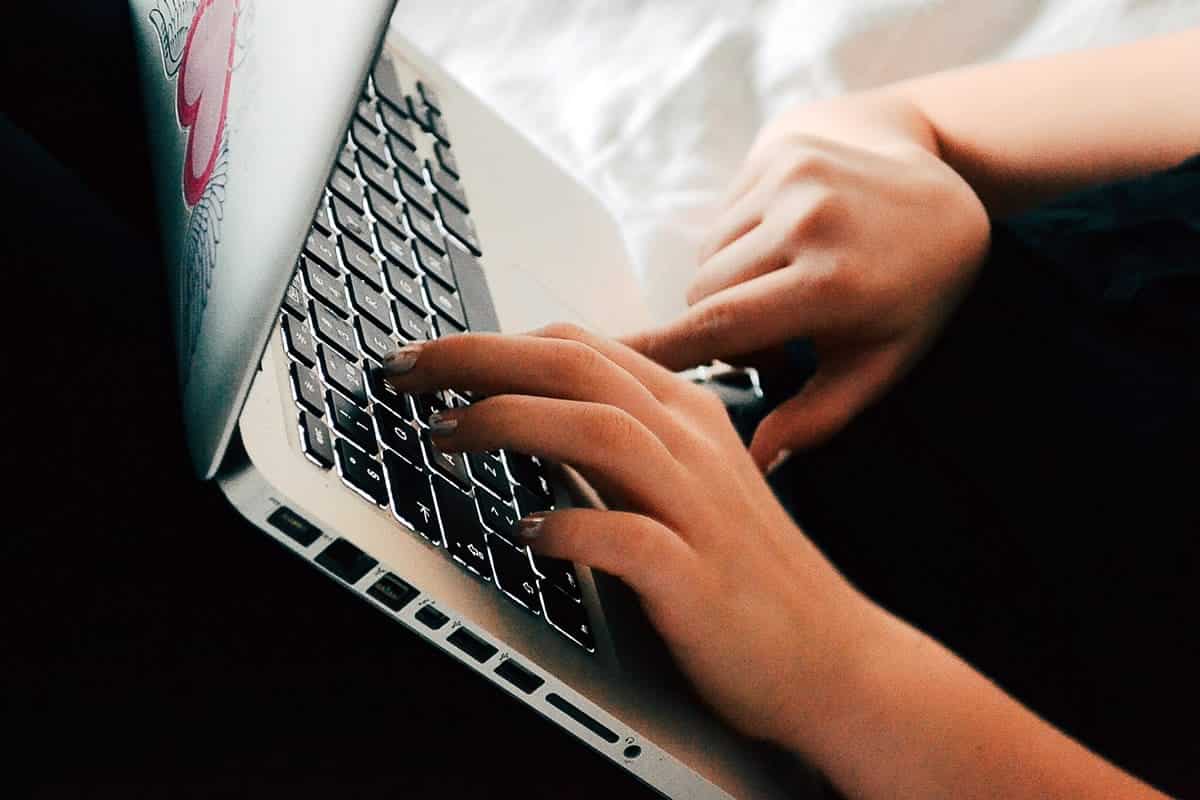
(246,103)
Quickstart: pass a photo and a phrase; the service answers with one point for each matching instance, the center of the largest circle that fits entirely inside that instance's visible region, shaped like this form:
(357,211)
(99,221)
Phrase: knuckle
(564,330)
(577,362)
(615,427)
(711,322)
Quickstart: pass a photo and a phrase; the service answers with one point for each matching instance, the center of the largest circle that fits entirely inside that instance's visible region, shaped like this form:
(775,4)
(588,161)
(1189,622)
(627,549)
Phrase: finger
(831,399)
(643,552)
(609,447)
(735,222)
(764,312)
(658,381)
(754,254)
(491,363)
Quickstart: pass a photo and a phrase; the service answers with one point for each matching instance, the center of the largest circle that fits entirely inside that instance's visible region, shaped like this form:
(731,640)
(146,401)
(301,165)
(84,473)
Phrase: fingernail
(440,423)
(777,461)
(530,526)
(400,361)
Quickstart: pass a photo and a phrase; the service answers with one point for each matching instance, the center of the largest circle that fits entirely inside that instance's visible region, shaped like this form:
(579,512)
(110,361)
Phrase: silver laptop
(325,193)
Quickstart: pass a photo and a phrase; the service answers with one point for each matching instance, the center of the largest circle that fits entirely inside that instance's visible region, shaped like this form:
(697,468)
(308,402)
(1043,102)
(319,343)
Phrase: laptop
(327,193)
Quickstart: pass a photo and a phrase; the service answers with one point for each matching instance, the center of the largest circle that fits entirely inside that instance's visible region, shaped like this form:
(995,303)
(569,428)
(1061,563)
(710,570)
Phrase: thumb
(834,395)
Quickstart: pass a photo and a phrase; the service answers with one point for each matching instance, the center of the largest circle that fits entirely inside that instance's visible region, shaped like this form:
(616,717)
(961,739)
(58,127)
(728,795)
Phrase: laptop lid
(247,103)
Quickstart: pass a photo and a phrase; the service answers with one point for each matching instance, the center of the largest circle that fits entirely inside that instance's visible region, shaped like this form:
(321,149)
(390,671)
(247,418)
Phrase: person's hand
(753,613)
(862,244)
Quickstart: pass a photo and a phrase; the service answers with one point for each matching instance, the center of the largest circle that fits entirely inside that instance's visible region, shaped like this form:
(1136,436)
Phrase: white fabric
(653,103)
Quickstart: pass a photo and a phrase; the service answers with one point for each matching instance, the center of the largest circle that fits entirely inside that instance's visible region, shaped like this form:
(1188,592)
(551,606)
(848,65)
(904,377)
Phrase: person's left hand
(754,614)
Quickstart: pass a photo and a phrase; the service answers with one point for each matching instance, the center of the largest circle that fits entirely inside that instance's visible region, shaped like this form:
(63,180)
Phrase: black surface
(155,645)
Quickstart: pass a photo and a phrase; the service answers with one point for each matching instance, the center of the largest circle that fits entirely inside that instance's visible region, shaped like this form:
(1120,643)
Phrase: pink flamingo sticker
(202,91)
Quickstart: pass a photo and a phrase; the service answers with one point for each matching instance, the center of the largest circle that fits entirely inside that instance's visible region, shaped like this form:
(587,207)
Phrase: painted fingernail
(530,527)
(440,423)
(777,461)
(400,361)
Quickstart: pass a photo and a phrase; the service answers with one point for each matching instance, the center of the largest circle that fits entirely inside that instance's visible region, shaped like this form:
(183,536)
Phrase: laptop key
(435,264)
(352,422)
(448,304)
(377,176)
(399,126)
(384,394)
(405,157)
(445,157)
(362,472)
(424,227)
(294,298)
(375,340)
(321,222)
(558,572)
(386,211)
(428,403)
(414,191)
(412,499)
(397,249)
(458,224)
(315,438)
(444,327)
(499,518)
(370,302)
(307,386)
(345,186)
(322,249)
(569,617)
(325,286)
(460,524)
(488,471)
(413,326)
(334,331)
(430,96)
(514,576)
(529,471)
(387,84)
(352,222)
(369,142)
(299,341)
(529,503)
(407,288)
(398,435)
(436,124)
(365,112)
(362,263)
(452,465)
(345,160)
(450,188)
(345,375)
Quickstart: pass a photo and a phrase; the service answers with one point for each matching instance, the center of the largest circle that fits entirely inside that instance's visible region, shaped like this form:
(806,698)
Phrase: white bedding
(653,103)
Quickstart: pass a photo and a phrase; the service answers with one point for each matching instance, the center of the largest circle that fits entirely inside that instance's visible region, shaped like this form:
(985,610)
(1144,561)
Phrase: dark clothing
(1028,494)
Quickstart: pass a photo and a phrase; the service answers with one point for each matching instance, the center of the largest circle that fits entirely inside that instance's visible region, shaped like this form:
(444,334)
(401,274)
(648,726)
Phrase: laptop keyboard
(379,270)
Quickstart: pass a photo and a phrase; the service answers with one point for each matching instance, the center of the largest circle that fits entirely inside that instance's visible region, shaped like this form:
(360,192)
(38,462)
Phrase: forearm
(1023,132)
(912,720)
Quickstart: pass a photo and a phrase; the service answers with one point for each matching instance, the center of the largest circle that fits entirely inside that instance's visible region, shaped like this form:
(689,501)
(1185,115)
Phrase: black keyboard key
(299,341)
(452,465)
(362,263)
(322,249)
(294,300)
(377,176)
(514,576)
(309,391)
(387,212)
(436,264)
(444,327)
(448,304)
(346,561)
(365,112)
(569,616)
(375,340)
(530,503)
(368,141)
(460,523)
(436,124)
(450,188)
(424,227)
(318,444)
(558,572)
(398,251)
(399,435)
(405,156)
(429,403)
(407,288)
(345,186)
(362,472)
(413,326)
(352,422)
(415,192)
(345,375)
(325,286)
(394,593)
(417,111)
(334,331)
(387,84)
(499,518)
(399,126)
(530,472)
(385,394)
(489,471)
(321,221)
(370,302)
(352,222)
(430,96)
(459,224)
(345,160)
(412,499)
(445,158)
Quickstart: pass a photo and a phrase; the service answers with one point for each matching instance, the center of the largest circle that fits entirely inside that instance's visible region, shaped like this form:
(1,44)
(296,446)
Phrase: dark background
(152,643)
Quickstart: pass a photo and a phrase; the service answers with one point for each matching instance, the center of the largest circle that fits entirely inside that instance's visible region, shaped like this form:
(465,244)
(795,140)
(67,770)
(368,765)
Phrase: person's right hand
(862,244)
